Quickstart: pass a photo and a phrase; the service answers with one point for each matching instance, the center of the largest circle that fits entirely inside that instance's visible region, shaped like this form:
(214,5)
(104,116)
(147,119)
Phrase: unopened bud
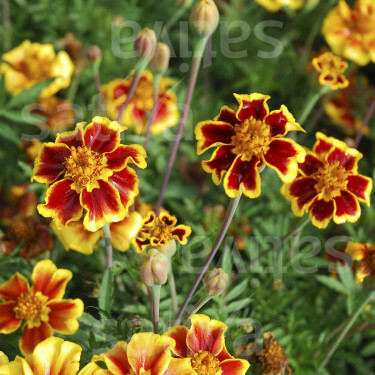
(215,281)
(154,267)
(160,61)
(117,20)
(94,53)
(204,17)
(145,43)
(184,3)
(169,249)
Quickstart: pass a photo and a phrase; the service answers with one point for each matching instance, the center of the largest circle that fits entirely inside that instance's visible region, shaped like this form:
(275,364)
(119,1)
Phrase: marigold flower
(30,63)
(331,70)
(364,254)
(146,353)
(204,345)
(328,185)
(41,306)
(159,232)
(276,5)
(75,237)
(141,103)
(88,175)
(351,32)
(52,356)
(246,140)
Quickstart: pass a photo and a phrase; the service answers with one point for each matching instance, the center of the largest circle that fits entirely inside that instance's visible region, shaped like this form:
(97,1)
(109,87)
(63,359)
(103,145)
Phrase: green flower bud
(215,281)
(145,43)
(154,267)
(160,61)
(204,17)
(168,249)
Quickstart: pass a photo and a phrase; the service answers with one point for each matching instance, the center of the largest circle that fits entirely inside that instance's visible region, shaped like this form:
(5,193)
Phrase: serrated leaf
(106,290)
(332,284)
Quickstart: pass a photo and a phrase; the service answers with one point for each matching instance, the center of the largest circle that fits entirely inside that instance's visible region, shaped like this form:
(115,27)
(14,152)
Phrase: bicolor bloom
(88,176)
(364,254)
(204,345)
(142,102)
(331,70)
(146,353)
(328,185)
(350,32)
(52,356)
(41,306)
(30,63)
(75,237)
(160,232)
(276,5)
(247,140)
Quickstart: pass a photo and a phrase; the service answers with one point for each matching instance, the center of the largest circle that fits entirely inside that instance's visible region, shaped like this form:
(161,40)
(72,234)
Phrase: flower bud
(204,17)
(145,43)
(94,53)
(184,3)
(160,61)
(154,267)
(169,249)
(215,281)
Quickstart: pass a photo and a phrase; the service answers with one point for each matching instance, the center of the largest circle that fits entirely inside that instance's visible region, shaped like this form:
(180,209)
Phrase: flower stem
(172,286)
(154,111)
(108,245)
(156,298)
(173,19)
(6,25)
(197,307)
(227,220)
(366,121)
(197,58)
(346,330)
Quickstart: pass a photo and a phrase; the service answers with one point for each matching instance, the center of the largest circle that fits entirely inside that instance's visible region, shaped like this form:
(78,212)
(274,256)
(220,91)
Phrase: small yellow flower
(331,70)
(365,255)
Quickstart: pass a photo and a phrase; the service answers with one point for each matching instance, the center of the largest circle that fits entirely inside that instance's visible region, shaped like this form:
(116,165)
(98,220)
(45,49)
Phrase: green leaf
(106,291)
(236,291)
(332,284)
(346,276)
(238,305)
(9,133)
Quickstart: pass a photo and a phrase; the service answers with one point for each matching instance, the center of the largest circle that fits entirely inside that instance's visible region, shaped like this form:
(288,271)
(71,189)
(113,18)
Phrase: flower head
(276,5)
(364,254)
(41,306)
(141,103)
(246,140)
(146,353)
(87,174)
(160,232)
(331,70)
(30,63)
(351,32)
(204,17)
(328,184)
(204,345)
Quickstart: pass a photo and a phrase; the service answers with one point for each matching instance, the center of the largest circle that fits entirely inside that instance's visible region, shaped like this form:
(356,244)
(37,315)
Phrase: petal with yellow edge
(180,366)
(347,157)
(347,208)
(321,213)
(119,158)
(323,143)
(281,122)
(14,287)
(302,191)
(179,334)
(31,337)
(227,115)
(252,106)
(72,138)
(181,233)
(356,250)
(234,367)
(49,280)
(116,359)
(310,165)
(8,322)
(362,272)
(94,369)
(361,187)
(125,230)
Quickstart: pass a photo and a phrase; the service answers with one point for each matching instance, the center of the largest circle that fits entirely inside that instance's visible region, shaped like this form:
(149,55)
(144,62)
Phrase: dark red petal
(277,121)
(101,137)
(279,153)
(254,108)
(167,220)
(346,160)
(322,210)
(120,90)
(346,205)
(227,115)
(310,165)
(303,189)
(180,233)
(123,155)
(322,146)
(358,185)
(212,132)
(73,138)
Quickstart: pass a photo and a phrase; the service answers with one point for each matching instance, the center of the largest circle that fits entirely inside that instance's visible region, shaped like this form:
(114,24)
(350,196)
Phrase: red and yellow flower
(74,236)
(41,306)
(364,254)
(350,32)
(204,345)
(247,140)
(87,174)
(276,5)
(331,70)
(161,232)
(142,102)
(146,353)
(328,185)
(52,356)
(30,63)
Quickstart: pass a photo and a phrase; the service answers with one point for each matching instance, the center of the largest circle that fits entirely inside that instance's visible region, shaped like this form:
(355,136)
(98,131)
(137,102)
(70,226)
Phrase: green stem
(346,330)
(173,19)
(108,245)
(365,122)
(156,298)
(197,307)
(172,287)
(6,26)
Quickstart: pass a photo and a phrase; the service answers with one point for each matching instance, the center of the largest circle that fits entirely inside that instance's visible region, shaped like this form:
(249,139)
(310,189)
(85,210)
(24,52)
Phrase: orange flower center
(31,307)
(251,139)
(332,178)
(143,95)
(158,230)
(370,259)
(84,166)
(204,363)
(273,359)
(21,229)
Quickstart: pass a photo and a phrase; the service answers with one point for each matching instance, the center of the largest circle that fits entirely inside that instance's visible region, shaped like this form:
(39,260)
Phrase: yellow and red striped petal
(356,250)
(103,205)
(302,191)
(102,135)
(181,233)
(179,334)
(347,208)
(310,165)
(243,175)
(361,187)
(180,366)
(283,156)
(94,369)
(227,115)
(50,162)
(347,157)
(212,134)
(362,272)
(234,367)
(206,335)
(119,158)
(72,138)
(63,315)
(62,203)
(31,337)
(8,321)
(49,280)
(125,230)
(150,352)
(14,287)
(252,106)
(323,144)
(281,122)
(321,213)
